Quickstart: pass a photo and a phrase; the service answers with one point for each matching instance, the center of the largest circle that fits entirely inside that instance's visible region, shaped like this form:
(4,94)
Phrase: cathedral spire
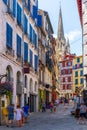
(60,34)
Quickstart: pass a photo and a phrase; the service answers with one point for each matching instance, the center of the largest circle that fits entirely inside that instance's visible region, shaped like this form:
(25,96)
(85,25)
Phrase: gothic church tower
(63,46)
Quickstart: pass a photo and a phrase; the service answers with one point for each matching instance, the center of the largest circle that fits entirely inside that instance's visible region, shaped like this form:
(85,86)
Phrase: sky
(71,21)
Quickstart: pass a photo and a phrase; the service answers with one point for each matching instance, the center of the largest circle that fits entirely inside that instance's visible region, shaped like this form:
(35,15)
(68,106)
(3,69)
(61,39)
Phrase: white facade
(9,59)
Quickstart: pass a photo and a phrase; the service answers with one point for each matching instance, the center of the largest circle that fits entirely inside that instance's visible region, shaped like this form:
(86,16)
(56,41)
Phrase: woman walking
(19,113)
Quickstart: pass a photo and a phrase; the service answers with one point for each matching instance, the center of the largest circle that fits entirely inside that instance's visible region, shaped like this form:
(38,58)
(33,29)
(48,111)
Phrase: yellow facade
(77,74)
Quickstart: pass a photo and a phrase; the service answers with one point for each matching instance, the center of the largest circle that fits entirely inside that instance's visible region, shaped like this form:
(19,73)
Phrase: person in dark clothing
(26,112)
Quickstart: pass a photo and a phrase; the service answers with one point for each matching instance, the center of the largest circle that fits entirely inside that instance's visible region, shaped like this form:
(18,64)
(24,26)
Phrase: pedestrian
(10,110)
(5,113)
(51,106)
(19,113)
(82,114)
(43,106)
(26,112)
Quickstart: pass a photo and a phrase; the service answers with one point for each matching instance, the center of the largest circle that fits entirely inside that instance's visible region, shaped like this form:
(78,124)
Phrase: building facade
(66,78)
(78,74)
(19,49)
(45,63)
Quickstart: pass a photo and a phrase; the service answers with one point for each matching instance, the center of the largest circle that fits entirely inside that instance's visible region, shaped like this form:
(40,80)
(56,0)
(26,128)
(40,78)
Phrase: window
(25,24)
(76,74)
(69,63)
(5,1)
(81,73)
(14,8)
(81,65)
(31,57)
(18,46)
(63,64)
(19,14)
(25,52)
(31,32)
(35,62)
(76,81)
(78,59)
(81,81)
(9,33)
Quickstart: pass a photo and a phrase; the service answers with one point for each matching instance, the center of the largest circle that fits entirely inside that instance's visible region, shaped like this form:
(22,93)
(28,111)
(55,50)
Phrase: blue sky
(71,21)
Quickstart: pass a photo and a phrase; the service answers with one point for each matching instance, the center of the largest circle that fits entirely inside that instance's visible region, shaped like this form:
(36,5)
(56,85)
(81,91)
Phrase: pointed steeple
(60,34)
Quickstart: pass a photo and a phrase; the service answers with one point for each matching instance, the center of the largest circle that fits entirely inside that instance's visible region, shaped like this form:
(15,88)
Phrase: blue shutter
(18,46)
(19,13)
(9,33)
(33,38)
(39,20)
(29,5)
(36,3)
(31,57)
(31,30)
(5,1)
(35,10)
(25,24)
(35,62)
(36,41)
(25,52)
(14,8)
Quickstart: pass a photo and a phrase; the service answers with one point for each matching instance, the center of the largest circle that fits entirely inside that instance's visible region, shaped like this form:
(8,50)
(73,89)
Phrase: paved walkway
(60,120)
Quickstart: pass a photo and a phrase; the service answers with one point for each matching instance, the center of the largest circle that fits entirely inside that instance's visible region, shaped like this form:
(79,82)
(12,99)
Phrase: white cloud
(73,34)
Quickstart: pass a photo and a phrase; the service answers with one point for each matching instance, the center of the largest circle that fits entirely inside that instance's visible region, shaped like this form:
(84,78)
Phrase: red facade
(66,72)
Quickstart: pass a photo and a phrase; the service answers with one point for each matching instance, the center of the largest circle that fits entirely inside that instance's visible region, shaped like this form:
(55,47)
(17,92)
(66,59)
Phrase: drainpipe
(22,53)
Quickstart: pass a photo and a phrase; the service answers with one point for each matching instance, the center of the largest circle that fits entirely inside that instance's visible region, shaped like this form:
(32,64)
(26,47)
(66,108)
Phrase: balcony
(19,87)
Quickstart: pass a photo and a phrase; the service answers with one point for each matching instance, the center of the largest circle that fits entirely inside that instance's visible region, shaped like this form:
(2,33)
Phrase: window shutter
(35,10)
(35,40)
(9,32)
(31,57)
(29,5)
(5,1)
(25,24)
(18,46)
(31,31)
(35,62)
(19,12)
(25,52)
(14,8)
(39,20)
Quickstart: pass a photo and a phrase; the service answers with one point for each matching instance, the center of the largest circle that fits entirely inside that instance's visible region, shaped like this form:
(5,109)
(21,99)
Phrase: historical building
(45,62)
(66,78)
(78,74)
(19,49)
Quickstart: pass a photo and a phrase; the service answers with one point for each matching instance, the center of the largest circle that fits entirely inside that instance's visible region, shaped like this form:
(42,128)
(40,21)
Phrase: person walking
(10,110)
(43,106)
(51,106)
(19,113)
(26,112)
(5,113)
(82,119)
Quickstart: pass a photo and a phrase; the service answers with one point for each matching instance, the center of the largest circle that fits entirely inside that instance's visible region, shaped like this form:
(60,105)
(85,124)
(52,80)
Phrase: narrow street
(60,120)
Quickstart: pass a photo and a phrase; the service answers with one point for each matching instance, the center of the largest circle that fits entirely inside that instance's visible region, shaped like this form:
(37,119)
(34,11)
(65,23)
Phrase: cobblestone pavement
(60,120)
